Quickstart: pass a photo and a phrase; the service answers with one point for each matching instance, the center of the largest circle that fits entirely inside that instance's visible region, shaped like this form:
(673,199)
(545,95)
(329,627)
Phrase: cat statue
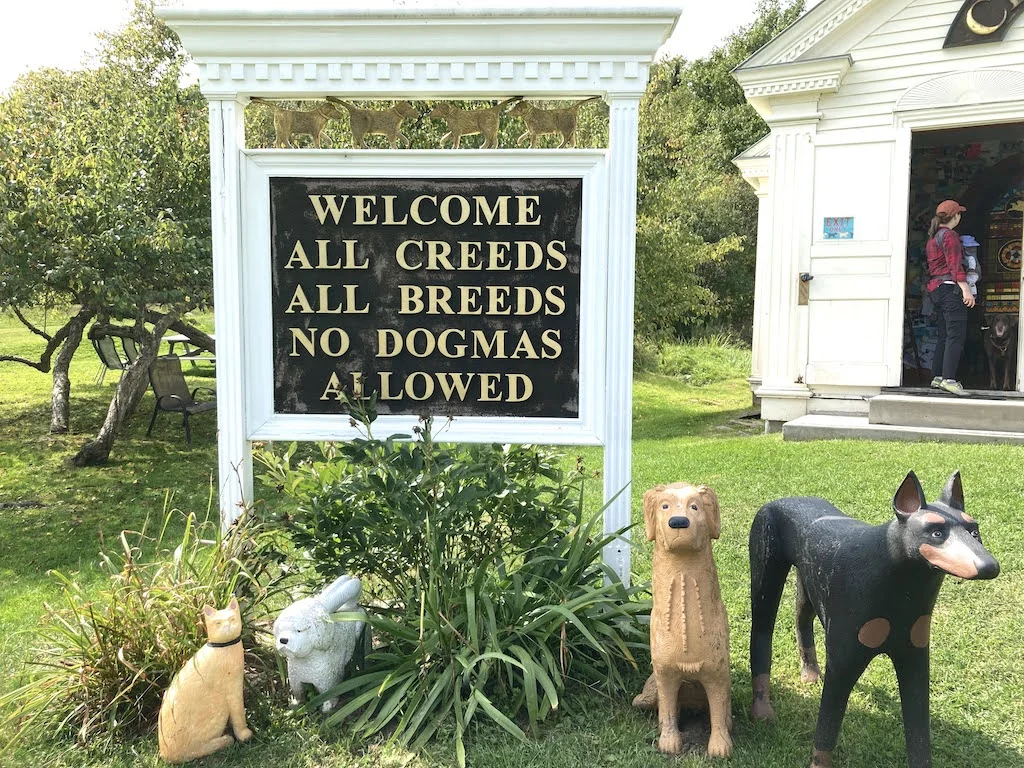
(318,648)
(206,694)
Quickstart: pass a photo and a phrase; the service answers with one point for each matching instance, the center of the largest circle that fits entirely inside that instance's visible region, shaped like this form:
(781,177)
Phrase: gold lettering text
(298,255)
(332,207)
(526,204)
(400,255)
(299,299)
(500,210)
(414,209)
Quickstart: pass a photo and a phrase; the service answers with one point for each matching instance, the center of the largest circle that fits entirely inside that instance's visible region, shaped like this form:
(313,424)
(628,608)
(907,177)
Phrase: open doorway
(982,167)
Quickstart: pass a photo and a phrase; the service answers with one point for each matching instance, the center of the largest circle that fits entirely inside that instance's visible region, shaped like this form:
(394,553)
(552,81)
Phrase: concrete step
(947,412)
(828,427)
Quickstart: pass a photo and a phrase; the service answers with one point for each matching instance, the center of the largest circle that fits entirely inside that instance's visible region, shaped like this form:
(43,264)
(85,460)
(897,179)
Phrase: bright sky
(37,33)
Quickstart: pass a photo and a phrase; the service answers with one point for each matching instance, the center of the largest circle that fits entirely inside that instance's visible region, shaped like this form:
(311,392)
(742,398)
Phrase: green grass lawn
(52,516)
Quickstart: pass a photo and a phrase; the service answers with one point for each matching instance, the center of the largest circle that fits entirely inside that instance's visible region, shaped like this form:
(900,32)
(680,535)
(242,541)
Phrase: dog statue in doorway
(1001,346)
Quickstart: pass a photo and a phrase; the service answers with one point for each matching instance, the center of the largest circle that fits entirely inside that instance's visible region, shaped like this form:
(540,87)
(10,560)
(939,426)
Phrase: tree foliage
(107,201)
(697,227)
(105,205)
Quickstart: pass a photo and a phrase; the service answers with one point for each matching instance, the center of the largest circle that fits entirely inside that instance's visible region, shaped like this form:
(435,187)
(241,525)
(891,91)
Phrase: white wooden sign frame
(259,166)
(306,50)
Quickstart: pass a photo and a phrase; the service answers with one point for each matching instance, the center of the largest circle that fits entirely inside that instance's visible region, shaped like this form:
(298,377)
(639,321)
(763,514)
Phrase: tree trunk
(60,400)
(127,395)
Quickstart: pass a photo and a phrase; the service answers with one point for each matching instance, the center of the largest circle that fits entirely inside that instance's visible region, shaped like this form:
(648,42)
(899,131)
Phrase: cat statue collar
(236,641)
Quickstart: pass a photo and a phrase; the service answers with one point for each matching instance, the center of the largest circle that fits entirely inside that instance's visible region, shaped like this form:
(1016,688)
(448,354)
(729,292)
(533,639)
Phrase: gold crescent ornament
(982,29)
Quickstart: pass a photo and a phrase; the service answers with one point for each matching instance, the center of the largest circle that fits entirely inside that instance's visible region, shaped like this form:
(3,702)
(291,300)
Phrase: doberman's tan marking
(874,633)
(954,558)
(921,632)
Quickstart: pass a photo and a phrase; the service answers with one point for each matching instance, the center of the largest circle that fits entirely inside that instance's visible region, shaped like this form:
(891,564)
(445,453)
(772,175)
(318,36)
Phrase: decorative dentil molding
(821,31)
(446,50)
(807,32)
(377,78)
(768,87)
(794,85)
(959,89)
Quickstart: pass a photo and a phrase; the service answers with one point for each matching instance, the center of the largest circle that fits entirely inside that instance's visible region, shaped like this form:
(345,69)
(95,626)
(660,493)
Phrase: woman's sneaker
(953,387)
(937,382)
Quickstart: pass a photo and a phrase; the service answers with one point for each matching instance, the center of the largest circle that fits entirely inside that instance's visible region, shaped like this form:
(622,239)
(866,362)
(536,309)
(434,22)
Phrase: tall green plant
(102,660)
(488,591)
(502,640)
(364,506)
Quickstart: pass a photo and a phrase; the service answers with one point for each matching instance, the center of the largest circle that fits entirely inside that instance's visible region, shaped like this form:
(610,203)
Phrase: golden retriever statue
(689,626)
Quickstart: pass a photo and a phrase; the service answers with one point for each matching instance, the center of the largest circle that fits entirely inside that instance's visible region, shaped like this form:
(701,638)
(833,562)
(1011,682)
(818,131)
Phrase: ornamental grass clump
(486,590)
(102,659)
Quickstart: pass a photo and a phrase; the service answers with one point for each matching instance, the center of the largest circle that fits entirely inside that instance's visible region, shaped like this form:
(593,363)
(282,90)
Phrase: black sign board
(446,296)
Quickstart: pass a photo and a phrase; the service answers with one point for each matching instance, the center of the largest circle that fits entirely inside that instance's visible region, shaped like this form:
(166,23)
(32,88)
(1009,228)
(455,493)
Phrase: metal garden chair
(131,350)
(110,358)
(173,395)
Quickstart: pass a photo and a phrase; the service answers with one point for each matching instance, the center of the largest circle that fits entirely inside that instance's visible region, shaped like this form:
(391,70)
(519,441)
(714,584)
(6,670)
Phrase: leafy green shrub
(490,594)
(364,508)
(103,660)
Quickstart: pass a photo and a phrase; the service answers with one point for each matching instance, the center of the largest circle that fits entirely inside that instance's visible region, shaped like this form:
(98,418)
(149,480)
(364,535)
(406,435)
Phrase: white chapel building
(879,110)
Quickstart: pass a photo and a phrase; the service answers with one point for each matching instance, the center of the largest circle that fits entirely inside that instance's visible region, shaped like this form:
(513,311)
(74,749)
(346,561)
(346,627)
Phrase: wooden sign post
(494,286)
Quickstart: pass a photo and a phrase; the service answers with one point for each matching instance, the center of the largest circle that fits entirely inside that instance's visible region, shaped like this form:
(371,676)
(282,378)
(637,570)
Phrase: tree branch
(101,329)
(37,364)
(197,337)
(53,343)
(29,325)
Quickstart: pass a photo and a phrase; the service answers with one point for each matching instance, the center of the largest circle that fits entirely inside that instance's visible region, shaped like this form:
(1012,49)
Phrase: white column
(783,392)
(618,445)
(762,267)
(234,451)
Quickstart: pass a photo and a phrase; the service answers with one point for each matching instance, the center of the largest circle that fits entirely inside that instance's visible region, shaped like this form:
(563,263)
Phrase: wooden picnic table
(192,354)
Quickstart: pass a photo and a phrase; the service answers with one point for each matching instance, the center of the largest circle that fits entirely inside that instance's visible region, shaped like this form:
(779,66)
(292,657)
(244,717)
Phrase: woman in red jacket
(950,294)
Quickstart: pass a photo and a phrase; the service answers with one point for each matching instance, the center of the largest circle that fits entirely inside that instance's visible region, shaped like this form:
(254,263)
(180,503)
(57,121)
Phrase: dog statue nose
(989,569)
(679,522)
(283,641)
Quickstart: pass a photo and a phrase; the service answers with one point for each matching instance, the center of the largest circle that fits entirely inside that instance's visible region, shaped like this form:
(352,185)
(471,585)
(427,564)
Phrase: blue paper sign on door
(839,227)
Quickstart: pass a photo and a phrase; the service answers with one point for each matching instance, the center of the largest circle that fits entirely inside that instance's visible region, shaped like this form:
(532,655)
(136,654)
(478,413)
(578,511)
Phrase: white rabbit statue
(318,648)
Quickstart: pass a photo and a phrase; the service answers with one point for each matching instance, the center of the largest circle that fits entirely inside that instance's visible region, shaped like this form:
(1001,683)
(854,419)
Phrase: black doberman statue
(872,587)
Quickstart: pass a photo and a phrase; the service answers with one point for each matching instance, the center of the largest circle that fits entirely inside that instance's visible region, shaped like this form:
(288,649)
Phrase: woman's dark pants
(951,321)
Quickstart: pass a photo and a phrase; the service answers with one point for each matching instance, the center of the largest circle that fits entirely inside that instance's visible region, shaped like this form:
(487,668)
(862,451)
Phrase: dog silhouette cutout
(289,122)
(378,122)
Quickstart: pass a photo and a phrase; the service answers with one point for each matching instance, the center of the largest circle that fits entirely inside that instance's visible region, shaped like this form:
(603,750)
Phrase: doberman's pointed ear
(650,513)
(953,493)
(710,499)
(909,498)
